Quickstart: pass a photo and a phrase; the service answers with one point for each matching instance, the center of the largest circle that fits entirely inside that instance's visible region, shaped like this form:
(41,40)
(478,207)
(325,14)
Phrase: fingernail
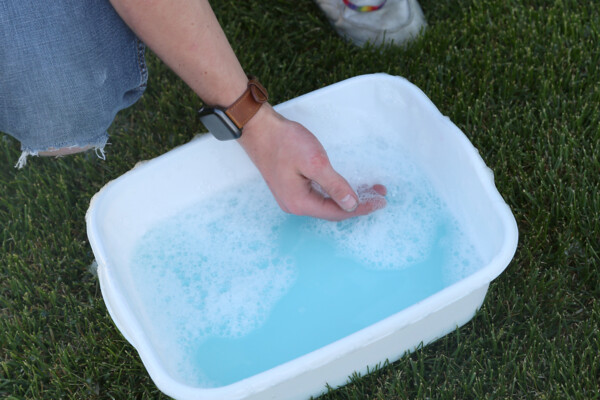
(349,203)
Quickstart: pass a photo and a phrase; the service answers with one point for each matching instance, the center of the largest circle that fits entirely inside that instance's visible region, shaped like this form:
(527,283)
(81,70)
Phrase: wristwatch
(227,123)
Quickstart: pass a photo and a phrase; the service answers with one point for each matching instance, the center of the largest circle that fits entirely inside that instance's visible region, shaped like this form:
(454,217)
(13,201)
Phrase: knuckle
(318,161)
(290,206)
(294,208)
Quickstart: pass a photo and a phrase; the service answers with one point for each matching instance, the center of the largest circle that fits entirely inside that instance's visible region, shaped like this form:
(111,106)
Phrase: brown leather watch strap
(248,104)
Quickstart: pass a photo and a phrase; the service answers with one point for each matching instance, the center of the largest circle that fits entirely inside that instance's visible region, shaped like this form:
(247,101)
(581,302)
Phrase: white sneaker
(391,21)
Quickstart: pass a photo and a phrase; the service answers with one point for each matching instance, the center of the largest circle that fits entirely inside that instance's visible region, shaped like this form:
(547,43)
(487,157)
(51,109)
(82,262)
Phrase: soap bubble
(215,264)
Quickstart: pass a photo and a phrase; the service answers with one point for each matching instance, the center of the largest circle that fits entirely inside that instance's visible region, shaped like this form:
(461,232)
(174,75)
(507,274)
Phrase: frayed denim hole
(98,148)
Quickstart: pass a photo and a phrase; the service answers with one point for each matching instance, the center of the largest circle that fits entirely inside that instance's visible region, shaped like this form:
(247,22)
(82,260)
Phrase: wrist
(259,127)
(228,122)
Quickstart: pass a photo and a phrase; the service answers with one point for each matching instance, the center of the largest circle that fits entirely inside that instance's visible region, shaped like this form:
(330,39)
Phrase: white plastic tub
(389,113)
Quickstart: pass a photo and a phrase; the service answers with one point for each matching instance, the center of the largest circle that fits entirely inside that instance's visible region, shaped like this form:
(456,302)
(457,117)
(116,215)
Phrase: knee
(64,151)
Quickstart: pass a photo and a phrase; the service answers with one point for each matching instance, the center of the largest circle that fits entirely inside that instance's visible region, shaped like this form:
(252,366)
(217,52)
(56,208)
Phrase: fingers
(366,193)
(334,185)
(380,189)
(320,206)
(331,197)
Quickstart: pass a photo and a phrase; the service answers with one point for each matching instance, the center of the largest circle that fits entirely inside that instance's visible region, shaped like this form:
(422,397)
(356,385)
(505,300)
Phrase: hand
(291,160)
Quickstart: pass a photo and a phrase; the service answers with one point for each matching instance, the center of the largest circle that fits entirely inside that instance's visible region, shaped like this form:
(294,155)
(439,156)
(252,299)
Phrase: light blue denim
(66,68)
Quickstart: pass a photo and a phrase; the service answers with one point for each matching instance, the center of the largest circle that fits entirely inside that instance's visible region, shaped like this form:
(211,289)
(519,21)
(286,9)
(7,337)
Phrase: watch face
(219,124)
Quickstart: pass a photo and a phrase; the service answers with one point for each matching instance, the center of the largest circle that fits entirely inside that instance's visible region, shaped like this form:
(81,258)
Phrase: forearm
(186,35)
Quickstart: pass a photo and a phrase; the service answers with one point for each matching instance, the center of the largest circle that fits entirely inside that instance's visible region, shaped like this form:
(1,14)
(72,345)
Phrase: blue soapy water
(233,286)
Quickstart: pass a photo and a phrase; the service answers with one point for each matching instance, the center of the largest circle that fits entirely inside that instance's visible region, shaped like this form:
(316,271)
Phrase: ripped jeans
(66,68)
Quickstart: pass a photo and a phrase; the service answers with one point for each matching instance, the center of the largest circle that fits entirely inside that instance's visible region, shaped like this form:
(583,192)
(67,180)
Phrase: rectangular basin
(225,296)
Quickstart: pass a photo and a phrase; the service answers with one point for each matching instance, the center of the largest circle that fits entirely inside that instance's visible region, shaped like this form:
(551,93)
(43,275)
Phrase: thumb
(337,188)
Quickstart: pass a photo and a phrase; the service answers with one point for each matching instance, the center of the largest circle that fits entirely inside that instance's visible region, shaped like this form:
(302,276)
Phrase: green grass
(520,78)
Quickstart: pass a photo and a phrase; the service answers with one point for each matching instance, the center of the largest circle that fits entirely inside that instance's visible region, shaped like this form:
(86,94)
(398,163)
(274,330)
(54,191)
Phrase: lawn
(520,78)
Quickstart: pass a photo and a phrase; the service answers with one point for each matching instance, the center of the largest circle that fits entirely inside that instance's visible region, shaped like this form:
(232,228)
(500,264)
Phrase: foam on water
(404,233)
(225,280)
(209,271)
